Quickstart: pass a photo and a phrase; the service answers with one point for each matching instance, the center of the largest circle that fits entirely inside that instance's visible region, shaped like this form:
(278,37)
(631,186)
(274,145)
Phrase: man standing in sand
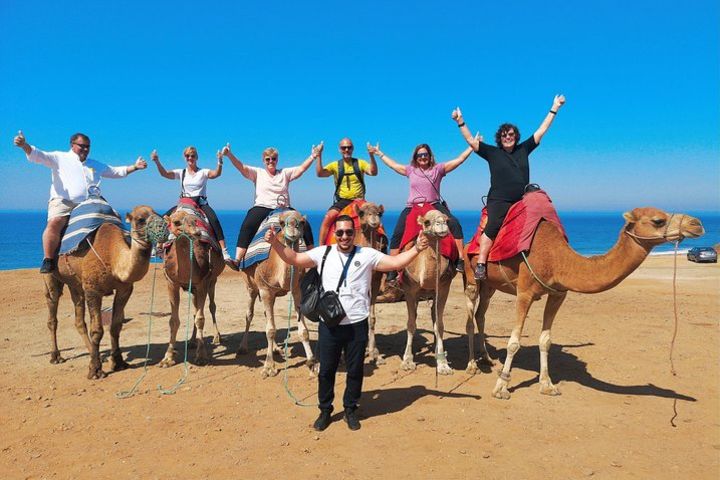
(351,334)
(74,175)
(349,175)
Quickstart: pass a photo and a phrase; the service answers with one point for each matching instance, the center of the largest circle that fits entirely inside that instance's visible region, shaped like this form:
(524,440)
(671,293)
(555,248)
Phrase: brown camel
(558,269)
(428,273)
(270,279)
(370,221)
(110,265)
(206,265)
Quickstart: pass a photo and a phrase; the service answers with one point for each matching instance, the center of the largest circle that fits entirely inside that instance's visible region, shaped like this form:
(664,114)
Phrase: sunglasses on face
(82,146)
(508,135)
(347,233)
(191,155)
(346,147)
(270,159)
(422,155)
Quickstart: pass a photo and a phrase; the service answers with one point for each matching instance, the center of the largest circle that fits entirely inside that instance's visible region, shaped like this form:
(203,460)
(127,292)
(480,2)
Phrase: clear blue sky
(641,78)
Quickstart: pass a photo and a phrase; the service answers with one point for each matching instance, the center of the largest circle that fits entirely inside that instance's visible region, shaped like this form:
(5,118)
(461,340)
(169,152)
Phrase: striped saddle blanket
(85,219)
(207,235)
(259,249)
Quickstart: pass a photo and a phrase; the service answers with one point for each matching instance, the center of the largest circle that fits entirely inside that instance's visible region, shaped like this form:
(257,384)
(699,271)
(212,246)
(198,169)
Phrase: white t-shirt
(71,178)
(195,184)
(268,188)
(355,290)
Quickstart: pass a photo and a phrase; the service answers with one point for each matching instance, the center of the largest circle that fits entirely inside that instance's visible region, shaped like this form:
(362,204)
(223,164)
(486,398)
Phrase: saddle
(351,211)
(205,231)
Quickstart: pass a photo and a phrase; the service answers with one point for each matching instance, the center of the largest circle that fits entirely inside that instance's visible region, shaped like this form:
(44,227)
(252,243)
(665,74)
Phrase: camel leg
(441,363)
(551,308)
(268,299)
(471,295)
(217,339)
(311,362)
(522,306)
(372,350)
(78,299)
(411,303)
(122,295)
(174,323)
(53,292)
(94,302)
(485,295)
(243,348)
(201,355)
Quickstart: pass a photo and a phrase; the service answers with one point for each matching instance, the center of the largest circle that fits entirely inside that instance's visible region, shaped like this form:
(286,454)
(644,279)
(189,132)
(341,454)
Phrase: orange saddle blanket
(350,210)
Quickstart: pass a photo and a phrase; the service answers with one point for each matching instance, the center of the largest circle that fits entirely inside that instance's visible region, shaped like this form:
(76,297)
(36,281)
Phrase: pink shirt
(269,188)
(424,184)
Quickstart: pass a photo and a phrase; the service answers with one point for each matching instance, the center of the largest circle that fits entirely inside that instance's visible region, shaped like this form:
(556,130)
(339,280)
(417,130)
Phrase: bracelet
(460,125)
(554,112)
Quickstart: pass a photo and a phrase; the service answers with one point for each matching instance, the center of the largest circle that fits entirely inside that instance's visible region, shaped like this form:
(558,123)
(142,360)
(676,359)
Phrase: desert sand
(610,359)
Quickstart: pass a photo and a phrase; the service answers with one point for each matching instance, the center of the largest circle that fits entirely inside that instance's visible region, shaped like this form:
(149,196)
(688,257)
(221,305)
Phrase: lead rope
(438,356)
(675,329)
(181,380)
(536,277)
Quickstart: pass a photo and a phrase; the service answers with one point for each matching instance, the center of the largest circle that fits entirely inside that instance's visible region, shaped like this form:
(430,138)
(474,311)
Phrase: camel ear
(381,210)
(128,218)
(166,218)
(357,210)
(420,219)
(629,217)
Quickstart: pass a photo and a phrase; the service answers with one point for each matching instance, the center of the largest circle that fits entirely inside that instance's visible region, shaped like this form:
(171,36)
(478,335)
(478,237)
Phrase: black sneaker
(323,421)
(48,265)
(233,264)
(351,419)
(481,272)
(460,265)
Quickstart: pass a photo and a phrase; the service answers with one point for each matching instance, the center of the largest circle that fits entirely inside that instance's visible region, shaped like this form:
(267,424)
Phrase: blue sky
(640,126)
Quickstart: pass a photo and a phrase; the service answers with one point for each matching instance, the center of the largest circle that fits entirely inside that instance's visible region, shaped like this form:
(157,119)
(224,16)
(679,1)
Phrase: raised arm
(155,158)
(373,164)
(226,152)
(218,170)
(287,254)
(321,171)
(465,130)
(389,263)
(558,102)
(20,142)
(140,164)
(375,150)
(451,165)
(315,152)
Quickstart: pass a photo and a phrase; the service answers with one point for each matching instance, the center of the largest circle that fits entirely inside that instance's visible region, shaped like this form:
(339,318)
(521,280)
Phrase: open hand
(140,164)
(317,150)
(270,235)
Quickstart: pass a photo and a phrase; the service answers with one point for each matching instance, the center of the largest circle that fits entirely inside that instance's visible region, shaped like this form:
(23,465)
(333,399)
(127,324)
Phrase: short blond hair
(190,149)
(270,152)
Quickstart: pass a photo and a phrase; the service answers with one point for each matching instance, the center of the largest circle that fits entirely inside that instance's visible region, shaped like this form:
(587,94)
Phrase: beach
(610,359)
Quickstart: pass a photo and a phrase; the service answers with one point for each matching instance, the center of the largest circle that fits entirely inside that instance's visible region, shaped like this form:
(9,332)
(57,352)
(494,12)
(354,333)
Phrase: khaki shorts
(59,207)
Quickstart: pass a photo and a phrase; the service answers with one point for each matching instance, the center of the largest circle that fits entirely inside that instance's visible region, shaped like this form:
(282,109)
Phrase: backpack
(342,173)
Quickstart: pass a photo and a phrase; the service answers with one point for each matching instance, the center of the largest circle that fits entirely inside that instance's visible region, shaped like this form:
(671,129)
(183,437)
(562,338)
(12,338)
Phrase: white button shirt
(71,178)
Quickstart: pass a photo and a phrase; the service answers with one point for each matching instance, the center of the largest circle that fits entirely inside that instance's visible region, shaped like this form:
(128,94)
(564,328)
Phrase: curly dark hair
(414,155)
(506,127)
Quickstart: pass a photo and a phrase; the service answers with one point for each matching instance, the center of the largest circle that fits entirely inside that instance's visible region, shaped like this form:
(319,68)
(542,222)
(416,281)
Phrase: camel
(206,266)
(558,269)
(270,279)
(421,277)
(370,214)
(110,265)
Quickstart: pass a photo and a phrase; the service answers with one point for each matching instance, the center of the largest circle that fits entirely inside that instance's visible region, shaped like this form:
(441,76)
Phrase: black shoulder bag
(311,289)
(329,307)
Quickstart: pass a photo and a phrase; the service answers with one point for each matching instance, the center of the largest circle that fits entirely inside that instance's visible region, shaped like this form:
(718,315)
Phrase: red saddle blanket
(207,235)
(350,210)
(519,226)
(412,229)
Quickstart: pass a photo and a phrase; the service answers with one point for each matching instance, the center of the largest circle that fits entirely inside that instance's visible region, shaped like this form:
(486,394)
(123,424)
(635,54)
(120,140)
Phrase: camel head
(139,219)
(180,222)
(292,224)
(653,226)
(434,223)
(369,214)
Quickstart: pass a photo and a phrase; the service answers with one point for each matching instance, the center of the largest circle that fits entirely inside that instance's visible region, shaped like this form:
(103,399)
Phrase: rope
(96,253)
(536,277)
(675,329)
(182,379)
(438,356)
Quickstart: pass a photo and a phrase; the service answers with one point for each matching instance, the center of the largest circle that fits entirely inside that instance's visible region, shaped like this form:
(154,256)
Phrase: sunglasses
(82,146)
(510,134)
(271,159)
(191,155)
(422,155)
(346,147)
(348,233)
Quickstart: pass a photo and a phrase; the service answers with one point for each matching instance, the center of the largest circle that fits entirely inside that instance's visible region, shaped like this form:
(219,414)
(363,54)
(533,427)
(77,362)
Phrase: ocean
(589,233)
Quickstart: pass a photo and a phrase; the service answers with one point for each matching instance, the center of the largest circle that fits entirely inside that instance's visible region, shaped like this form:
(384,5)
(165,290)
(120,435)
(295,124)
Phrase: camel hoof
(217,340)
(408,365)
(472,368)
(242,350)
(502,393)
(96,373)
(268,371)
(167,362)
(55,358)
(550,389)
(444,369)
(202,360)
(117,363)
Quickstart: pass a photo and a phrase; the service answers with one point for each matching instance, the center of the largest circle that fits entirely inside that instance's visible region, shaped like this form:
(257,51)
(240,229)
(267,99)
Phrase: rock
(485,455)
(588,472)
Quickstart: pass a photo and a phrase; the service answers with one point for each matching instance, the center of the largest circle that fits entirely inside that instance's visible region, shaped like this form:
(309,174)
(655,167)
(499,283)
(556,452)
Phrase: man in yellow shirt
(349,181)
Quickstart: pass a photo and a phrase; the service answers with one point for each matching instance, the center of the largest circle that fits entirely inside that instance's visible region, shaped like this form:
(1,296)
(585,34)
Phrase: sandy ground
(610,359)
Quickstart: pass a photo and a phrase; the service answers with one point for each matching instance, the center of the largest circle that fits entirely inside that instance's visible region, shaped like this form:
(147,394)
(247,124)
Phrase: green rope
(291,306)
(129,393)
(182,379)
(536,277)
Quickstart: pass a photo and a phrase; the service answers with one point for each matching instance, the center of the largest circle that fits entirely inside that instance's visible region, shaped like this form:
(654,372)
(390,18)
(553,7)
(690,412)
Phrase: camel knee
(513,347)
(545,342)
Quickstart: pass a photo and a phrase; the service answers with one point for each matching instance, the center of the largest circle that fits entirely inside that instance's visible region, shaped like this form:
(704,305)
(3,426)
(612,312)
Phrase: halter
(664,236)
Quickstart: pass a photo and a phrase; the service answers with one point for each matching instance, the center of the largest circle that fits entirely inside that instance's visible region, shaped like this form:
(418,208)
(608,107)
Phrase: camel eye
(177,223)
(658,222)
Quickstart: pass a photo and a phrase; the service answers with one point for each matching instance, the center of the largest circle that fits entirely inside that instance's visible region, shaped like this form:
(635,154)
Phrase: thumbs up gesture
(20,139)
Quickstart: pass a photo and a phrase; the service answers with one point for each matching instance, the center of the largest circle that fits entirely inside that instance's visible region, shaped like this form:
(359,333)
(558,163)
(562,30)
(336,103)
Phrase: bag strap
(182,184)
(345,268)
(342,173)
(322,265)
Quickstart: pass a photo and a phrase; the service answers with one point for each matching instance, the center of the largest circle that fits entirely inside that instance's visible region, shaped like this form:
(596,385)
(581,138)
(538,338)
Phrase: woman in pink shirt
(425,177)
(271,192)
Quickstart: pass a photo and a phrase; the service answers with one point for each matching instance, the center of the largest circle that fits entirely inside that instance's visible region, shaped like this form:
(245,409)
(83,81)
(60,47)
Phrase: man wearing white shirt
(74,175)
(351,335)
